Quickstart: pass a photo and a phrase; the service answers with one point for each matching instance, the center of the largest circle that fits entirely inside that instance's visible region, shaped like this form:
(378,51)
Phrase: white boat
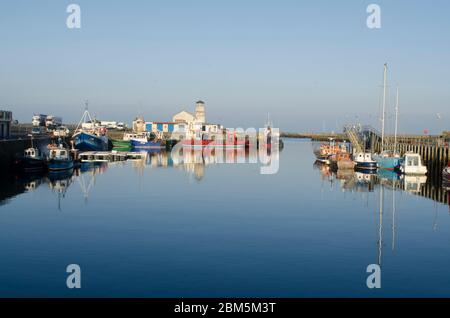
(412,164)
(364,161)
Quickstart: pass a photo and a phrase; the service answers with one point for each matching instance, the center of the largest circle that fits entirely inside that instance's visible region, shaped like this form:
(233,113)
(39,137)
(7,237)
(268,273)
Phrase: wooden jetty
(108,156)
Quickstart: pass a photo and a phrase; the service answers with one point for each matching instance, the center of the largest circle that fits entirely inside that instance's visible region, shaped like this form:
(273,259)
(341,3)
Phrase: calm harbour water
(154,228)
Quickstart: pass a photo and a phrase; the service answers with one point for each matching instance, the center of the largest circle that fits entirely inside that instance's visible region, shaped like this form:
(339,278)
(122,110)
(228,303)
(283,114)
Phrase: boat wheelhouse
(412,164)
(364,161)
(32,160)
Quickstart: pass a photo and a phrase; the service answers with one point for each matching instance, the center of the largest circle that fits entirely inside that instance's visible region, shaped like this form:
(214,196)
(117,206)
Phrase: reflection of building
(5,124)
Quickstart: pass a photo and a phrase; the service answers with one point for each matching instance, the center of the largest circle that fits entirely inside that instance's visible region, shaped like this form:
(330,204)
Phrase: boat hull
(89,142)
(121,143)
(59,165)
(31,164)
(388,163)
(367,165)
(146,144)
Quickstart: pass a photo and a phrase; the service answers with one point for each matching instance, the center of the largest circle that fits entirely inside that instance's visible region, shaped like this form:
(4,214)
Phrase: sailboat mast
(396,123)
(384,106)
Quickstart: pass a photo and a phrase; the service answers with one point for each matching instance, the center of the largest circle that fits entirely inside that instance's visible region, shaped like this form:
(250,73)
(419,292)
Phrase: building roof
(161,122)
(200,102)
(185,112)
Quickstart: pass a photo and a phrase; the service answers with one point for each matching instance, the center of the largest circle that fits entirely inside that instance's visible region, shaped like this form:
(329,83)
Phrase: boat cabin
(32,153)
(412,164)
(59,153)
(363,157)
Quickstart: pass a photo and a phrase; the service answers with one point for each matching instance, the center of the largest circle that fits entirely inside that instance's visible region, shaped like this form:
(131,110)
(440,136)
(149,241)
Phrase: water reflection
(194,162)
(358,181)
(161,221)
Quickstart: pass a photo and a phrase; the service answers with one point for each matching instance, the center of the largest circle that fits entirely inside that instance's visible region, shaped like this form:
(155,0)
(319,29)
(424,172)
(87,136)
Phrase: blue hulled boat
(88,136)
(364,161)
(387,160)
(59,159)
(85,141)
(143,141)
(146,144)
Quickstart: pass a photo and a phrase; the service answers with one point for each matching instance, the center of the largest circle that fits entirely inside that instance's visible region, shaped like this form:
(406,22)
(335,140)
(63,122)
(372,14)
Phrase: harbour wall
(10,148)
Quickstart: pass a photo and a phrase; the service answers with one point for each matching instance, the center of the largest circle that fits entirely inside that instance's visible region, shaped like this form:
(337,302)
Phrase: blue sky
(314,65)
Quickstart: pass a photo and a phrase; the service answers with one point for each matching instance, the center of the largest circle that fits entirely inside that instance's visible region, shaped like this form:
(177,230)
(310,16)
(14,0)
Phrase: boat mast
(396,123)
(384,106)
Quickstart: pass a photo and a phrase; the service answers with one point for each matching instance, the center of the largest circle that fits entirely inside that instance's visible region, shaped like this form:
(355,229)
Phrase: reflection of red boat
(230,142)
(192,143)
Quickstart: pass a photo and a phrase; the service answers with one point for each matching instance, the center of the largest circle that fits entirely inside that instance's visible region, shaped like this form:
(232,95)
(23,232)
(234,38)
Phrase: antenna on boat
(383,114)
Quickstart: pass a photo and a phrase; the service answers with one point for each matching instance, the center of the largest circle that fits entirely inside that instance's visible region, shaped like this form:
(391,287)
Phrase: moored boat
(411,163)
(195,143)
(59,158)
(86,141)
(123,144)
(342,161)
(32,160)
(325,151)
(143,141)
(88,137)
(387,160)
(364,161)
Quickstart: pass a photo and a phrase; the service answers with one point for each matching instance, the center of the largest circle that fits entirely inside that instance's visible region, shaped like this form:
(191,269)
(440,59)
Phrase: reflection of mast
(380,225)
(435,223)
(85,189)
(393,215)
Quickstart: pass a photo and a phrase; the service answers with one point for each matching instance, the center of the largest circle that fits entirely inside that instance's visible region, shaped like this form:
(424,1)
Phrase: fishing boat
(31,160)
(59,158)
(88,137)
(195,143)
(411,164)
(364,161)
(342,161)
(325,151)
(144,141)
